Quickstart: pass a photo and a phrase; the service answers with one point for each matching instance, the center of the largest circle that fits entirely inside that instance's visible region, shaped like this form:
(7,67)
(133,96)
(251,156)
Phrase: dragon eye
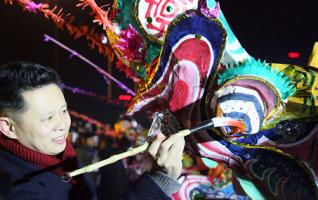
(169,8)
(149,20)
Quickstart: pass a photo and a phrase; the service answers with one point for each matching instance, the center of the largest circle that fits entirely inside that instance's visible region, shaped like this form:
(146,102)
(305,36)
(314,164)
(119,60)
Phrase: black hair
(17,77)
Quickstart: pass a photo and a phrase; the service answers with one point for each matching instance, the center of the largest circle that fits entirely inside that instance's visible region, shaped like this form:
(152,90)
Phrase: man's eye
(65,111)
(50,118)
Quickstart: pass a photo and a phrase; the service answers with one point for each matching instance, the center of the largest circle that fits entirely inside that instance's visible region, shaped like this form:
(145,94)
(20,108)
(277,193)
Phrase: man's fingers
(175,151)
(154,146)
(169,153)
(165,146)
(171,160)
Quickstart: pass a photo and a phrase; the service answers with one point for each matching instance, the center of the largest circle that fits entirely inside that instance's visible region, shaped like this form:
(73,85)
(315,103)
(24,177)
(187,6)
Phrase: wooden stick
(115,158)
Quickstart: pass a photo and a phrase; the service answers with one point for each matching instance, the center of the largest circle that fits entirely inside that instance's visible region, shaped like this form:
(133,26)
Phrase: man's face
(44,125)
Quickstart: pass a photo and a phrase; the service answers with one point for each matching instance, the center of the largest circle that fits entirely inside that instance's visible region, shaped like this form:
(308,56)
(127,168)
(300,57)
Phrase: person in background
(109,187)
(35,151)
(87,151)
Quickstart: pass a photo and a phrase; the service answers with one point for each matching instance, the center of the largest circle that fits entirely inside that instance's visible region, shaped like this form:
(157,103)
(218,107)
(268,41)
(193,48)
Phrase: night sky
(266,29)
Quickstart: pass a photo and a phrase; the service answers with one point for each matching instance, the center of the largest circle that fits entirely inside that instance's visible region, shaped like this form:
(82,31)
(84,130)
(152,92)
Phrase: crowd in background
(93,144)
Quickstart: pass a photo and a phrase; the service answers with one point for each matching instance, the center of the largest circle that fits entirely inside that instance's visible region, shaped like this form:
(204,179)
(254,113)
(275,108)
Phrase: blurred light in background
(124,97)
(293,54)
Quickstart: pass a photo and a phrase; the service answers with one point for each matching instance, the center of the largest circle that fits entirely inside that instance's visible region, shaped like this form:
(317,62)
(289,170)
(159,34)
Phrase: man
(34,150)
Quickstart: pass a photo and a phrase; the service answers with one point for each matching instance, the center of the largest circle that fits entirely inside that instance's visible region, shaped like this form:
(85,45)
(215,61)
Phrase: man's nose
(60,124)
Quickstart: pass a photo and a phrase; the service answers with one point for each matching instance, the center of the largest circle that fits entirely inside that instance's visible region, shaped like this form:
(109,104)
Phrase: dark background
(266,29)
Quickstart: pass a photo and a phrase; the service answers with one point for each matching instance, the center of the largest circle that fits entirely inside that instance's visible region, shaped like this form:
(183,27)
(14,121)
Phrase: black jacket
(30,182)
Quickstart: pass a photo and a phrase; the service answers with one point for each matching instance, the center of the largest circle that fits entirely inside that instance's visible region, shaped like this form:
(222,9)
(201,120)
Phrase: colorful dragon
(188,62)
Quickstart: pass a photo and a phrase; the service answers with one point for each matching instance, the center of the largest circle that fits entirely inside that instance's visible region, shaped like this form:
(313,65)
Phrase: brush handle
(203,126)
(208,124)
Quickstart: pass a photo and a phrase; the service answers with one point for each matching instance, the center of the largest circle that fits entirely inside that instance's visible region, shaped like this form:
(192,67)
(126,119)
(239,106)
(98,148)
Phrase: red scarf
(43,160)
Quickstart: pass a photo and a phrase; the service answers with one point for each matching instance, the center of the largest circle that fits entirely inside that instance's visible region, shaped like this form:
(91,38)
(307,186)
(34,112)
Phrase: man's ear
(7,127)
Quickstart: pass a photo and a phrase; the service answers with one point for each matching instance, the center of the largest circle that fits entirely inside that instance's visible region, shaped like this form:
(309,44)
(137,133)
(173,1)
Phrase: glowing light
(124,97)
(104,40)
(293,54)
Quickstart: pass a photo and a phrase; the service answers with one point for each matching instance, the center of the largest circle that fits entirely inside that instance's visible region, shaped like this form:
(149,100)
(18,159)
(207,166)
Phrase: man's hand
(167,153)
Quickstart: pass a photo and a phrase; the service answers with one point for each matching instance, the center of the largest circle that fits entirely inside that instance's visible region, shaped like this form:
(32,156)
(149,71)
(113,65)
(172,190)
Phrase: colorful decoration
(255,91)
(280,82)
(76,90)
(151,19)
(48,38)
(155,16)
(313,59)
(190,67)
(189,63)
(66,21)
(131,44)
(180,68)
(102,17)
(196,187)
